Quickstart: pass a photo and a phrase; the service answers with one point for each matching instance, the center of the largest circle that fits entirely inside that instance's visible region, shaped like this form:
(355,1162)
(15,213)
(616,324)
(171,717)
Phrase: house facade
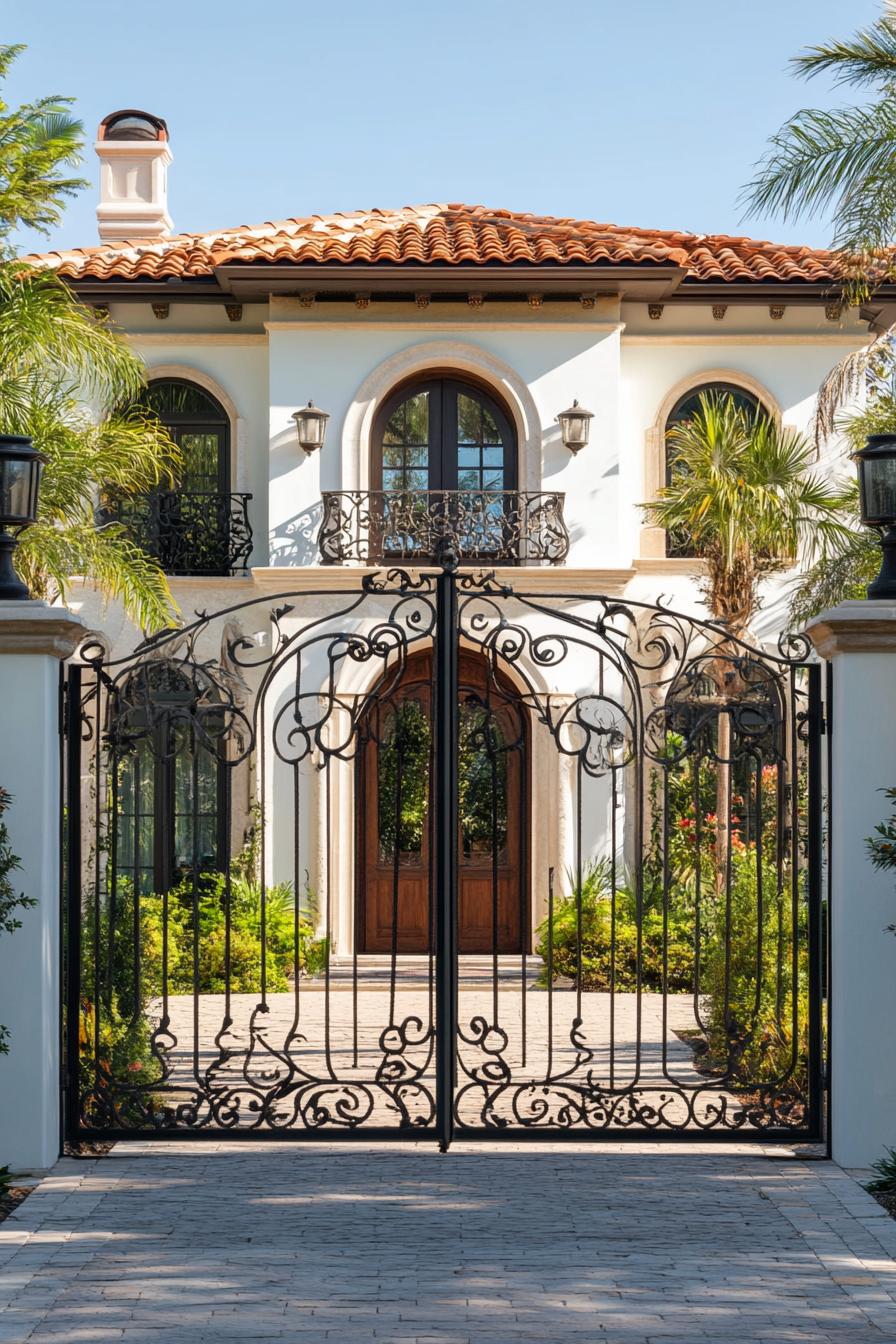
(445,343)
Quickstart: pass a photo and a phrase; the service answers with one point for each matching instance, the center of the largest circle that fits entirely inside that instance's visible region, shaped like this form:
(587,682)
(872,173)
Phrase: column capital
(35,627)
(857,626)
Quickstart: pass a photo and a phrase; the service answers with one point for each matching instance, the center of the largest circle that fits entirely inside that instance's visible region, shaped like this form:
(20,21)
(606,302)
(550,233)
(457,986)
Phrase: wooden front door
(396,874)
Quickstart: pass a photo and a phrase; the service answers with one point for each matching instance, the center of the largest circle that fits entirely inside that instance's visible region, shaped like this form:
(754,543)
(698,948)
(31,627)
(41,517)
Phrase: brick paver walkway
(193,1244)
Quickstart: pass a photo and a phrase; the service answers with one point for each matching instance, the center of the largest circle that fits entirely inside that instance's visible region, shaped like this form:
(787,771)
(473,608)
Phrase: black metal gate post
(815,861)
(72,822)
(446,727)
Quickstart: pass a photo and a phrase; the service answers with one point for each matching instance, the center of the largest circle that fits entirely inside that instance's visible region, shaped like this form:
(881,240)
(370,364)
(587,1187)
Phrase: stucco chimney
(132,148)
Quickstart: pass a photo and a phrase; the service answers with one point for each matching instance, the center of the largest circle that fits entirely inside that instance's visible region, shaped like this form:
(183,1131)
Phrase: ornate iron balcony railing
(189,531)
(507,526)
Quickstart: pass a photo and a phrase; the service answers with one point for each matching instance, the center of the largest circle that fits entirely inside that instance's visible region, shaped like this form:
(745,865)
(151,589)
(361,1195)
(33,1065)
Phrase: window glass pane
(490,432)
(468,480)
(469,420)
(201,454)
(403,783)
(175,401)
(135,819)
(417,418)
(468,457)
(493,480)
(493,457)
(406,445)
(482,784)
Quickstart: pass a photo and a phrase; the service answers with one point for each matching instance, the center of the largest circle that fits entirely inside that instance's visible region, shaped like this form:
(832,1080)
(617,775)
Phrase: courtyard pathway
(195,1244)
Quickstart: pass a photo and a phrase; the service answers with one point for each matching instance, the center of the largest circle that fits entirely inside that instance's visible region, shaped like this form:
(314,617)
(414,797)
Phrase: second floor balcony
(189,532)
(505,527)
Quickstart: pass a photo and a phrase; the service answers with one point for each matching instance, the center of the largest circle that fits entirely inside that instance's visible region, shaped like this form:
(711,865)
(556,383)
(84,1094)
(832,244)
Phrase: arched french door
(395,850)
(443,434)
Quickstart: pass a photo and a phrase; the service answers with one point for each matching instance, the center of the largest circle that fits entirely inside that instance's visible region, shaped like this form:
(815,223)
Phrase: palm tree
(56,357)
(743,492)
(843,161)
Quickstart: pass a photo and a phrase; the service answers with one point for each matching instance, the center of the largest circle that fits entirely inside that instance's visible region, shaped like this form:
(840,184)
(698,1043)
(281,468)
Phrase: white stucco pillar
(860,639)
(33,640)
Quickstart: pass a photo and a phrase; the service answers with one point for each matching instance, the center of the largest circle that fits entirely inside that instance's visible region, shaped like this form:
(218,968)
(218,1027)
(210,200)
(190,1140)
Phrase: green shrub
(609,939)
(751,974)
(749,978)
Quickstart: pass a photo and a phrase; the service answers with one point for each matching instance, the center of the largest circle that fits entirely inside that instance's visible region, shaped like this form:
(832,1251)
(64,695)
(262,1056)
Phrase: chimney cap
(129,123)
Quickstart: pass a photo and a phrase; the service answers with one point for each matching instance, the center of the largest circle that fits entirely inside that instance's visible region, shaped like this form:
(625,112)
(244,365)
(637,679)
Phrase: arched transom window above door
(443,434)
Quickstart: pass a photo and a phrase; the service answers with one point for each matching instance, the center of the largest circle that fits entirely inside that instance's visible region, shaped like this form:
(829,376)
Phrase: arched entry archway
(395,906)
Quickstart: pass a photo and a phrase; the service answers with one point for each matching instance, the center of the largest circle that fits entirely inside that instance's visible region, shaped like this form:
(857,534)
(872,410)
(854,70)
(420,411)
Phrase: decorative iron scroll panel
(665,831)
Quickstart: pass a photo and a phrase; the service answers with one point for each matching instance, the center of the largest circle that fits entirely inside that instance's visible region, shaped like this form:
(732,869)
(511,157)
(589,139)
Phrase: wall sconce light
(311,425)
(20,468)
(575,426)
(877,495)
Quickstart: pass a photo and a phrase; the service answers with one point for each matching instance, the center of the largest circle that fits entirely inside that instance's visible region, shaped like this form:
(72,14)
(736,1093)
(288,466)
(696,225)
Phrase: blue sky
(645,113)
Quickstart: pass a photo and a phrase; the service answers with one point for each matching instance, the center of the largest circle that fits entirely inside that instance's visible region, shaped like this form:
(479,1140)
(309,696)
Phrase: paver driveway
(196,1244)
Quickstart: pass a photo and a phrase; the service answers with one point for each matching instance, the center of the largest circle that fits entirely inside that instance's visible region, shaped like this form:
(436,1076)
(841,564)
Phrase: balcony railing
(498,526)
(189,532)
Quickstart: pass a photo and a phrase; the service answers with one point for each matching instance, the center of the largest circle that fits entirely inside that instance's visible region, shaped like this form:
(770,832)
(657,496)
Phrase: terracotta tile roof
(444,235)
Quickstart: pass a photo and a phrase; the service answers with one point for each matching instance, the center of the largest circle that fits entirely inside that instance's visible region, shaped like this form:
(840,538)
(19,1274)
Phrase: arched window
(687,406)
(443,434)
(166,730)
(199,424)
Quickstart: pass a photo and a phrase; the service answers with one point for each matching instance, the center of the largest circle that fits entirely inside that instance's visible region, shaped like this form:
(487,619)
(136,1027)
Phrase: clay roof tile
(446,235)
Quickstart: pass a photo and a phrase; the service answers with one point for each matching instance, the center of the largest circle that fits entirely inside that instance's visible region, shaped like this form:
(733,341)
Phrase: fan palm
(744,493)
(55,355)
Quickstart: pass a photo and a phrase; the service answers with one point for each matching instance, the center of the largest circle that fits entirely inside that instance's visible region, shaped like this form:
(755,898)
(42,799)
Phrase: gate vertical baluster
(614,880)
(72,1074)
(99,804)
(814,847)
(522,893)
(446,724)
(550,1043)
(194,857)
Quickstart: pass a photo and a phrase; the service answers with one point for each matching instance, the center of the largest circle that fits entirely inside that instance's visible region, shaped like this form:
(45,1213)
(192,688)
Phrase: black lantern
(575,426)
(877,495)
(20,468)
(311,424)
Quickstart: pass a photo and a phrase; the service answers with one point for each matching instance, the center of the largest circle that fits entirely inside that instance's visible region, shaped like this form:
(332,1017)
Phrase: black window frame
(444,390)
(147,728)
(179,425)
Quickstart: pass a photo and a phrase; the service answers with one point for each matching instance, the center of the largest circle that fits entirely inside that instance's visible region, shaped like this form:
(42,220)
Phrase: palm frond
(49,557)
(819,159)
(43,327)
(868,57)
(845,381)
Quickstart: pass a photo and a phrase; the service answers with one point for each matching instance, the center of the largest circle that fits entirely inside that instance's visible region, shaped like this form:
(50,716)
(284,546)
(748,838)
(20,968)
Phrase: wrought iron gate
(598,907)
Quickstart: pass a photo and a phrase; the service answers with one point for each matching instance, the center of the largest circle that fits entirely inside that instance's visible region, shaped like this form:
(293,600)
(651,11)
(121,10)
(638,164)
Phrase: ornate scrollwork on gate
(653,777)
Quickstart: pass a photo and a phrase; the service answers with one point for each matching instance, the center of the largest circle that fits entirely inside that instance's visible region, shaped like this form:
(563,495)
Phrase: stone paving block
(486,1246)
